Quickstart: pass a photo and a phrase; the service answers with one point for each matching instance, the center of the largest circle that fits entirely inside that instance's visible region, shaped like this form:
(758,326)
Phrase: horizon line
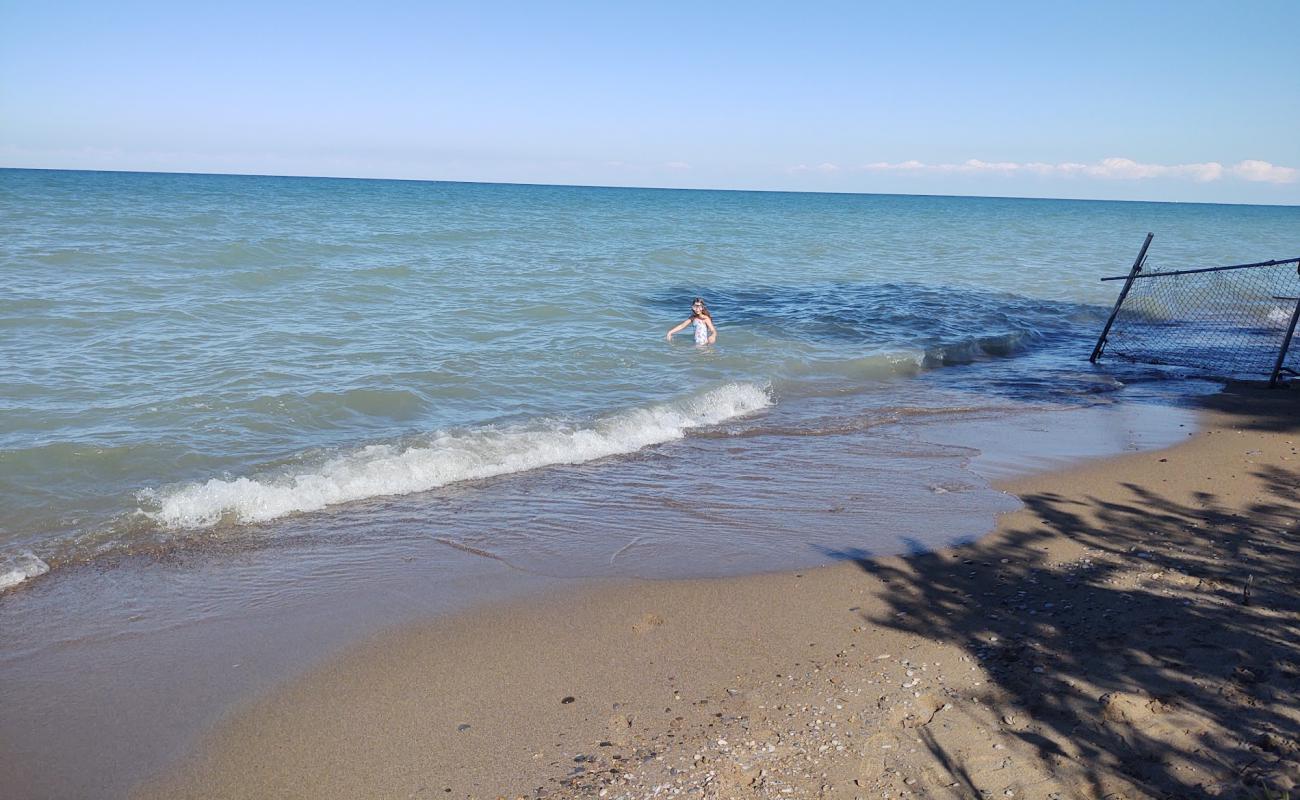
(649,188)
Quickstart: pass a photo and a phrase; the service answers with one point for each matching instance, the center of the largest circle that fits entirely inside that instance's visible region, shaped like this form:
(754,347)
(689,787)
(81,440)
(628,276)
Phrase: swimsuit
(701,331)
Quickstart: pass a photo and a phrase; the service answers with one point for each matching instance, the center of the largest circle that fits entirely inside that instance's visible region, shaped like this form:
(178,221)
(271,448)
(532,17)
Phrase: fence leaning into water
(1235,321)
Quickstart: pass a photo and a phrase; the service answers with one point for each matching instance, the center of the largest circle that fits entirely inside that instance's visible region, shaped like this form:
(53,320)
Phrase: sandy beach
(1132,631)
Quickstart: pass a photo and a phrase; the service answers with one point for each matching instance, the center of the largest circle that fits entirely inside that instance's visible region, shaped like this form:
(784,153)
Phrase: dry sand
(1133,631)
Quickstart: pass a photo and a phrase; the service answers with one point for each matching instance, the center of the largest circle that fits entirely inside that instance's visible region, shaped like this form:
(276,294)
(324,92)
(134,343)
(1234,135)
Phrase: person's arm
(686,322)
(713,332)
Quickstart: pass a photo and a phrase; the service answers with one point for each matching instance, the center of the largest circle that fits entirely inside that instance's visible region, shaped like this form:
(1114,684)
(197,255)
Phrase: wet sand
(1133,631)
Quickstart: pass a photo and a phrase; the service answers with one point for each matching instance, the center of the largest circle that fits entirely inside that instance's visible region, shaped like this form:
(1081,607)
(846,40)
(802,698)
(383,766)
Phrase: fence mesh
(1226,322)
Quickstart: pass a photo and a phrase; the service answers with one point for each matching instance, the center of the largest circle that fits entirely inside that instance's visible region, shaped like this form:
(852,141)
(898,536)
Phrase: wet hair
(704,310)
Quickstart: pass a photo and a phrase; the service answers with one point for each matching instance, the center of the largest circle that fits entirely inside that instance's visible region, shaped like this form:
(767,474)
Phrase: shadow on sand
(1163,660)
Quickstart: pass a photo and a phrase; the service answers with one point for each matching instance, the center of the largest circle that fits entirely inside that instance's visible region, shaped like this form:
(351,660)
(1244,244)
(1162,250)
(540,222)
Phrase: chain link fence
(1226,322)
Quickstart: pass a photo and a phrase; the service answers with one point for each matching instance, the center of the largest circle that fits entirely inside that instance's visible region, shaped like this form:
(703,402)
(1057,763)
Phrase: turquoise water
(189,356)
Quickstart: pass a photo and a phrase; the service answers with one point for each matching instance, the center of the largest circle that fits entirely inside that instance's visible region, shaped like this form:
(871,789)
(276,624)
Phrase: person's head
(698,309)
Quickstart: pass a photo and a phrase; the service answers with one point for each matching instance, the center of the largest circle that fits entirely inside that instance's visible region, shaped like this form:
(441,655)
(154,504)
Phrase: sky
(1182,101)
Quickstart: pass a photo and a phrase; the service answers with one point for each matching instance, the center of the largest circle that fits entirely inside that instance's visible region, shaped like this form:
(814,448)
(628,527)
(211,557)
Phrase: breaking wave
(443,458)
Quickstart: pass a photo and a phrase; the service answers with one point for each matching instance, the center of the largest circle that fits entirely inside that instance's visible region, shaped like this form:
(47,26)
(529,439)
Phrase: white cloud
(1106,169)
(677,165)
(1128,169)
(825,167)
(1252,170)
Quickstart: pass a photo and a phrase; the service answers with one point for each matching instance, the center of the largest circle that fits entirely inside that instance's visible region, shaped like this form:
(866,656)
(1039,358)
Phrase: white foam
(445,458)
(20,567)
(1280,317)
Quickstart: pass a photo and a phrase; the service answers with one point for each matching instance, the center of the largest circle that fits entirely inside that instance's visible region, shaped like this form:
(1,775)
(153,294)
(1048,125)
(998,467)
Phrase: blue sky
(1170,101)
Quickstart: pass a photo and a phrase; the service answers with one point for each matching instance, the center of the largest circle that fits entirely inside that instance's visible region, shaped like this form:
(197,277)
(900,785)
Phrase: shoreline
(114,669)
(1096,643)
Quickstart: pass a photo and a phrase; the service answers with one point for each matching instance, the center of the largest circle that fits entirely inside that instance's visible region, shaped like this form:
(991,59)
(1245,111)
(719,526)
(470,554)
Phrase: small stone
(464,726)
(567,700)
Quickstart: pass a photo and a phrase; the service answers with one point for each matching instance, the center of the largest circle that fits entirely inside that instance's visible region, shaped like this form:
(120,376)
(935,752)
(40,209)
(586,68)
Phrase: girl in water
(705,333)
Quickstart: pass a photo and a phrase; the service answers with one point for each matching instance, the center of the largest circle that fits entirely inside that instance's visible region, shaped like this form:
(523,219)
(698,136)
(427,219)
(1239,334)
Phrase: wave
(805,377)
(19,567)
(444,458)
(967,351)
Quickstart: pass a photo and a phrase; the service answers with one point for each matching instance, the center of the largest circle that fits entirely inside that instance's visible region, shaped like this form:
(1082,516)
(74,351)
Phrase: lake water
(190,358)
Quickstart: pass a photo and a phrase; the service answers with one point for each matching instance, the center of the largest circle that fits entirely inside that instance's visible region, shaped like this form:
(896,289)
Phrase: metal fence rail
(1232,321)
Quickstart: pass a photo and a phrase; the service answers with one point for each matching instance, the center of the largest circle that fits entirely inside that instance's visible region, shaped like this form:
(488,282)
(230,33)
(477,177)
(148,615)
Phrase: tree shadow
(1164,648)
(1275,409)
